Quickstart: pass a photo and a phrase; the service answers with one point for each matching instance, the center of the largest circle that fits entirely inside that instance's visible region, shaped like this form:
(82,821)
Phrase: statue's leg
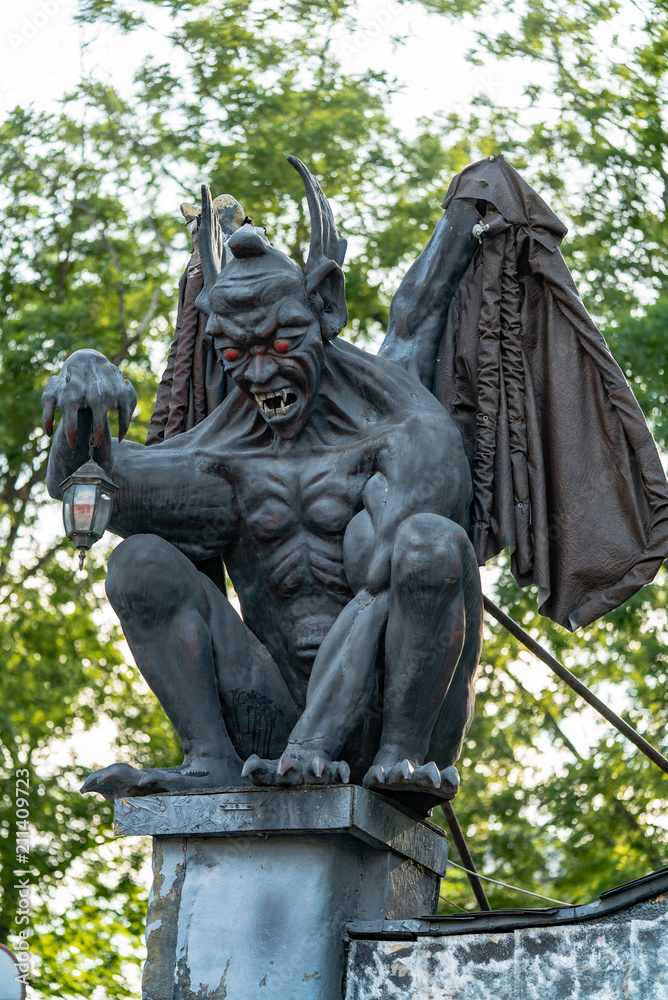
(431,650)
(201,662)
(339,699)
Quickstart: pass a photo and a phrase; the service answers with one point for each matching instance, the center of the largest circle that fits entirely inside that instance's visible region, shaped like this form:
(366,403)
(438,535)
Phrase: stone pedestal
(252,887)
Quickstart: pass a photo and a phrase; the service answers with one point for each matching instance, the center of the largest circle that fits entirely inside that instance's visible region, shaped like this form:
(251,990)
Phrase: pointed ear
(327,281)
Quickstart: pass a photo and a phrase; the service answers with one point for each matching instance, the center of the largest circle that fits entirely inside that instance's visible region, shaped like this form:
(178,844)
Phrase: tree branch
(129,342)
(549,718)
(116,263)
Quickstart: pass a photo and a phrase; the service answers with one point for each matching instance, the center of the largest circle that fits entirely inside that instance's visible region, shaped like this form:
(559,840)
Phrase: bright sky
(42,53)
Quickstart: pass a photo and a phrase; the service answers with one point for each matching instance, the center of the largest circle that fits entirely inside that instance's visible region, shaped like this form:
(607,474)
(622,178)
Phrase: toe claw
(430,773)
(343,772)
(318,767)
(406,769)
(252,764)
(403,771)
(259,770)
(450,781)
(111,781)
(374,776)
(285,764)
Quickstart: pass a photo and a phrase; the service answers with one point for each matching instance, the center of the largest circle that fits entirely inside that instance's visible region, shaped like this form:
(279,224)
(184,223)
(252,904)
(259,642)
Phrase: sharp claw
(431,772)
(403,771)
(450,776)
(109,781)
(251,765)
(126,408)
(344,772)
(48,413)
(285,764)
(374,776)
(318,767)
(106,793)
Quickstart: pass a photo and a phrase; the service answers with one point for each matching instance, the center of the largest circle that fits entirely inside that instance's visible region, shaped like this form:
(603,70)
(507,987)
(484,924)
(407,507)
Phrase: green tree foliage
(590,129)
(88,259)
(90,254)
(590,132)
(249,83)
(81,266)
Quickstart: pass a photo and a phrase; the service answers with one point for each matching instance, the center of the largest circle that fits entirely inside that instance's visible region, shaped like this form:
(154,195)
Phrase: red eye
(282,346)
(231,354)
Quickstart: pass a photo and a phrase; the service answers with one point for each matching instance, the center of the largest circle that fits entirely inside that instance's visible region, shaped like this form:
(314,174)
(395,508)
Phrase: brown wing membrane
(565,471)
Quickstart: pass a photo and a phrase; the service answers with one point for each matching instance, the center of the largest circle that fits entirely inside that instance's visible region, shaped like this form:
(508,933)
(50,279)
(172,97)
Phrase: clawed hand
(88,382)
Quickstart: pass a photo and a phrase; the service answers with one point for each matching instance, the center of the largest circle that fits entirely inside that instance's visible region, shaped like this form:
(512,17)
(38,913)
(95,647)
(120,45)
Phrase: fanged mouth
(275,404)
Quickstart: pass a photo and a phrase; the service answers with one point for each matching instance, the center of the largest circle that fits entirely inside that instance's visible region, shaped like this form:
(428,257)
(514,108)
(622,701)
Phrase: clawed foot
(296,768)
(120,780)
(405,776)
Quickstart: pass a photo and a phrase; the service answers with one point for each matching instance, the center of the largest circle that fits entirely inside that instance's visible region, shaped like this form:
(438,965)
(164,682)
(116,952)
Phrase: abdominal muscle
(295,604)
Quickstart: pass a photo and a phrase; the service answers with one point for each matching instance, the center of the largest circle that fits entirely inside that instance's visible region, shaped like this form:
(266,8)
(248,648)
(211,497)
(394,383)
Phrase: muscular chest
(319,495)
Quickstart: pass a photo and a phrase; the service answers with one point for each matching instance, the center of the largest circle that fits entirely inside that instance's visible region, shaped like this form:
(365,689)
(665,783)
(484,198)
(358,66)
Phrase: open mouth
(277,403)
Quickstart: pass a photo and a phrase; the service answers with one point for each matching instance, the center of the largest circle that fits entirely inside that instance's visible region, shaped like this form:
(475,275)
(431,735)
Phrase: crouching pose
(336,489)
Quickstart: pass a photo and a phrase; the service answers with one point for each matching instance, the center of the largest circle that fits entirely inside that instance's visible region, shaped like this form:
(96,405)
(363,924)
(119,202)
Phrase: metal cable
(456,905)
(507,886)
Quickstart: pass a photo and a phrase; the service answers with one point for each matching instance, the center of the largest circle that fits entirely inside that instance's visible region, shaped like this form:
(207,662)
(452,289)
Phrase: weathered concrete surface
(256,901)
(269,811)
(624,957)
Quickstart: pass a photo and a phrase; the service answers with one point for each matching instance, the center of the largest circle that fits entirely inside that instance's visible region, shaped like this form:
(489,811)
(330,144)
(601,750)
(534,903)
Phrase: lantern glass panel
(68,516)
(103,512)
(84,506)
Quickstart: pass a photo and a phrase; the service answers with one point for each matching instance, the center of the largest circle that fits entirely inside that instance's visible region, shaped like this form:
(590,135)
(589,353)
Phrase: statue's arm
(173,489)
(422,469)
(176,490)
(420,305)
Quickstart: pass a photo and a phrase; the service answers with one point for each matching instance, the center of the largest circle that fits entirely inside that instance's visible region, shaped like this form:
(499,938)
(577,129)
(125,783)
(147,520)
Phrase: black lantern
(88,498)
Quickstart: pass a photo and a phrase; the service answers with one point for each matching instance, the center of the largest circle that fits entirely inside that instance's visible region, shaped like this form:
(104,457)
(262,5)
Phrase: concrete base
(252,887)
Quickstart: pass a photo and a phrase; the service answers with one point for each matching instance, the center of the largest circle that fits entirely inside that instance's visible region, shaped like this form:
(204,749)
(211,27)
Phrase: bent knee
(428,551)
(144,571)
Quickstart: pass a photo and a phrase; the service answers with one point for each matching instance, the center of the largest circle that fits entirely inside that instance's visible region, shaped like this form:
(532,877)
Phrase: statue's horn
(325,241)
(211,248)
(323,274)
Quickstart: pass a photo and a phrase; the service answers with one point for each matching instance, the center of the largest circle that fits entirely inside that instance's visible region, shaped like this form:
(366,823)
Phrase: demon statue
(353,496)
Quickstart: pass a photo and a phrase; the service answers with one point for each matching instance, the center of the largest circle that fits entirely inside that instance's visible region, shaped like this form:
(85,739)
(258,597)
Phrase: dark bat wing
(565,471)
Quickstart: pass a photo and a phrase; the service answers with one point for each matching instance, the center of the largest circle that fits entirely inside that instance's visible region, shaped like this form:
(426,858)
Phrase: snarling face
(274,352)
(268,317)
